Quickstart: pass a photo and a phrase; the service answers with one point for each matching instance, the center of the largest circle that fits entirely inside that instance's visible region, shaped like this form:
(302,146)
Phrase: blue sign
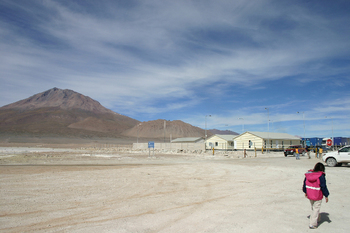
(150,144)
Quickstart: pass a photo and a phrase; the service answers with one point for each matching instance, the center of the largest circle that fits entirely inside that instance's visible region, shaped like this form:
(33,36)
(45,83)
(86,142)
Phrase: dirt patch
(120,191)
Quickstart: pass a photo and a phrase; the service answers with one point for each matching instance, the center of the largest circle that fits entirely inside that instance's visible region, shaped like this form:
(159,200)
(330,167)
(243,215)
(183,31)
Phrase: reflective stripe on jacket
(312,183)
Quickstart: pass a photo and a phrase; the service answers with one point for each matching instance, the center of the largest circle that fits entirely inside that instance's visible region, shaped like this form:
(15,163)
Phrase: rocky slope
(223,132)
(66,113)
(165,129)
(62,112)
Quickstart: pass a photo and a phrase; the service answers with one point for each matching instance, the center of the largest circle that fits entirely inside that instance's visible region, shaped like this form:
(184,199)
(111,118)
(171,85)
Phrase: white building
(251,140)
(220,142)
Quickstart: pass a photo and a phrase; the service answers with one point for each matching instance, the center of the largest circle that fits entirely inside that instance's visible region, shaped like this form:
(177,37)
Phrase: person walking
(297,156)
(308,151)
(321,152)
(315,188)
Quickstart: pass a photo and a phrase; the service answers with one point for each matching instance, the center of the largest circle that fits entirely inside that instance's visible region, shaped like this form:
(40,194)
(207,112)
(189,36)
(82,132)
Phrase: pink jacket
(312,182)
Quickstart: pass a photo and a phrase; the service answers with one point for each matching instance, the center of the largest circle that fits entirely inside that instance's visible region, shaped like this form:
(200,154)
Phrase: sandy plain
(119,190)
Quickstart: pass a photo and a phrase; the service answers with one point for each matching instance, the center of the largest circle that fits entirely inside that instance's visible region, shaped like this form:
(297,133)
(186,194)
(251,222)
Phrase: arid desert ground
(117,190)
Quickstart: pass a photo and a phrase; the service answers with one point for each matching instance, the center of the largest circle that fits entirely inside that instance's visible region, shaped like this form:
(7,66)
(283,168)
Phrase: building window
(216,143)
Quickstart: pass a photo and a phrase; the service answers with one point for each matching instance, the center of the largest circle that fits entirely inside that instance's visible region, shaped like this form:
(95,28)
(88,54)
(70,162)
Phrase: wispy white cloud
(159,57)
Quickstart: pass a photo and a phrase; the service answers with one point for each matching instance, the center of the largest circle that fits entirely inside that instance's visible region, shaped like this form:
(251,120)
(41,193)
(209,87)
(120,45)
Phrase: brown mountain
(66,113)
(163,128)
(62,112)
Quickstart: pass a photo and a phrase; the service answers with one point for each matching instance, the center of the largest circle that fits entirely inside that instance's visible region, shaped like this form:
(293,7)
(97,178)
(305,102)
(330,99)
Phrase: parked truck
(345,141)
(291,150)
(338,141)
(313,142)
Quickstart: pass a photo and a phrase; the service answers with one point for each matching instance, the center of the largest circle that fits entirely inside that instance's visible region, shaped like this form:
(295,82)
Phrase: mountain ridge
(55,97)
(68,113)
(62,112)
(165,129)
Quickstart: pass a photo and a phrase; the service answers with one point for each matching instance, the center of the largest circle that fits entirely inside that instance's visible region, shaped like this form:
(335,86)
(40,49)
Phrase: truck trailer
(338,141)
(313,142)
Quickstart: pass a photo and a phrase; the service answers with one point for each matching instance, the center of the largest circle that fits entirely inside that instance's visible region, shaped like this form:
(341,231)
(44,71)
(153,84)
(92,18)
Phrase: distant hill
(64,113)
(63,99)
(163,128)
(223,132)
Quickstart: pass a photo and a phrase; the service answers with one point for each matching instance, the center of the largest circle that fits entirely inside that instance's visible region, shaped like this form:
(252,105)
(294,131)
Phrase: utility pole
(304,124)
(138,132)
(268,128)
(164,129)
(242,124)
(332,133)
(206,125)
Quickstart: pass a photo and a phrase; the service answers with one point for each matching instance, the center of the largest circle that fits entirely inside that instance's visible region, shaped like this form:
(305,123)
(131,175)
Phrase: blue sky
(183,60)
